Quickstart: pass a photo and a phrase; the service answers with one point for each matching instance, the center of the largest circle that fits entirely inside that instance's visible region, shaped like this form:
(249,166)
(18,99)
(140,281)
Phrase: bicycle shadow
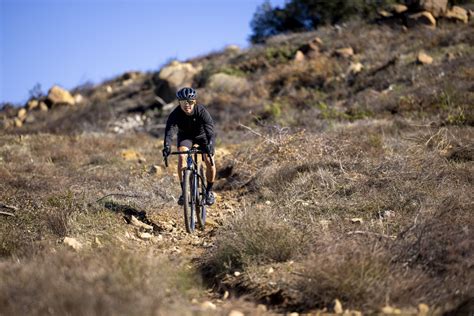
(129,211)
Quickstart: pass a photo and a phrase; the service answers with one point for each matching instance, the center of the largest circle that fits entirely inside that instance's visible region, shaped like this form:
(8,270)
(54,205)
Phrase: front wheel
(201,210)
(189,203)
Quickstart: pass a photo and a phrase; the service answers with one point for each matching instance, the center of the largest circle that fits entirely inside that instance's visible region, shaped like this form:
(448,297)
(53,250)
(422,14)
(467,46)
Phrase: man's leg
(210,176)
(183,145)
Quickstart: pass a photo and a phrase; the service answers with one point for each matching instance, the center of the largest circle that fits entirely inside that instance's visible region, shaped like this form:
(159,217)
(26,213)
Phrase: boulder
(311,49)
(457,14)
(355,68)
(221,82)
(435,7)
(422,18)
(17,122)
(78,98)
(43,107)
(178,74)
(73,243)
(345,52)
(397,8)
(299,57)
(59,96)
(232,49)
(424,59)
(32,104)
(173,77)
(21,115)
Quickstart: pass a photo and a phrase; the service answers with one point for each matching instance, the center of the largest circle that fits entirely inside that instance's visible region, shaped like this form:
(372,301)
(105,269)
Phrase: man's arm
(170,130)
(208,123)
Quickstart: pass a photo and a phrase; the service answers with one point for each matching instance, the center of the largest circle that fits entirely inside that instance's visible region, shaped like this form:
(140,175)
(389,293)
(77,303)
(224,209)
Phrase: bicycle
(193,179)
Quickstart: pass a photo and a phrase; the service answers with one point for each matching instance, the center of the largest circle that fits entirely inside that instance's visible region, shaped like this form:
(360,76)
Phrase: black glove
(166,150)
(210,149)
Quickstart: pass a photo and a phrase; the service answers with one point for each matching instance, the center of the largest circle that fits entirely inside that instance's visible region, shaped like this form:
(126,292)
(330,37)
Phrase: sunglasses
(190,102)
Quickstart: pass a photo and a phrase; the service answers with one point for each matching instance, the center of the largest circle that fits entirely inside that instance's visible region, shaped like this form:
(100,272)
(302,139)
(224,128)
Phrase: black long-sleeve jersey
(198,126)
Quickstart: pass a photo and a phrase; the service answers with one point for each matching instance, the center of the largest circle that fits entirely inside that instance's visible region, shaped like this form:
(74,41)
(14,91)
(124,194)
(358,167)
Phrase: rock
(457,13)
(208,306)
(135,222)
(422,18)
(233,49)
(225,295)
(17,122)
(435,7)
(225,83)
(424,59)
(132,155)
(178,74)
(346,52)
(22,114)
(109,89)
(423,310)
(357,220)
(355,68)
(299,57)
(43,107)
(131,75)
(397,8)
(293,314)
(338,307)
(388,310)
(78,98)
(73,243)
(384,13)
(270,270)
(145,236)
(237,273)
(311,49)
(32,104)
(60,96)
(261,308)
(97,242)
(235,312)
(156,170)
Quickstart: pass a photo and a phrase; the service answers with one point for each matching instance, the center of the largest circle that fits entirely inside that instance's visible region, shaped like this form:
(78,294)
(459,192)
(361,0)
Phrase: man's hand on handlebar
(166,151)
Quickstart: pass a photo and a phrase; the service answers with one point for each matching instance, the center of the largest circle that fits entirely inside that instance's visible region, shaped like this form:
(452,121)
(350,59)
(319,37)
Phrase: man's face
(187,106)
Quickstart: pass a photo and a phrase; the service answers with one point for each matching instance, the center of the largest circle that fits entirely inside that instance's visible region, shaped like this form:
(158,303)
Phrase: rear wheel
(189,205)
(201,205)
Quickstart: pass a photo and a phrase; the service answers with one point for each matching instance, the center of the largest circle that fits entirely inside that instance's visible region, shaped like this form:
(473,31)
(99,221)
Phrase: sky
(73,42)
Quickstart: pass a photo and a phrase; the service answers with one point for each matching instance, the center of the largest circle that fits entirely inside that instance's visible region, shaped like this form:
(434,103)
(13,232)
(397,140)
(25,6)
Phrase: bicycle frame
(195,199)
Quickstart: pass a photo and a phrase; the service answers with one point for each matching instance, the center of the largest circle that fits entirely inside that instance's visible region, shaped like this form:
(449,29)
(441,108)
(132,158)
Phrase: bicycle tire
(201,205)
(189,206)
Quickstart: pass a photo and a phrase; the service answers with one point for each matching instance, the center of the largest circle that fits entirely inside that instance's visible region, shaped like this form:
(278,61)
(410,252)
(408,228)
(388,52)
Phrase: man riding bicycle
(195,127)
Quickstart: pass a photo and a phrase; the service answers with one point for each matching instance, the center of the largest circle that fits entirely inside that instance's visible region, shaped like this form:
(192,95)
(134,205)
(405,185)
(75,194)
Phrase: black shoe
(210,198)
(181,200)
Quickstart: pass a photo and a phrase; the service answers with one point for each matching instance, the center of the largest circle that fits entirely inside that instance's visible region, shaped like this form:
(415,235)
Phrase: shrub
(256,236)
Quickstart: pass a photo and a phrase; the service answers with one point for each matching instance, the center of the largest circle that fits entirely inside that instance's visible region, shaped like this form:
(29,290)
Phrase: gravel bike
(194,189)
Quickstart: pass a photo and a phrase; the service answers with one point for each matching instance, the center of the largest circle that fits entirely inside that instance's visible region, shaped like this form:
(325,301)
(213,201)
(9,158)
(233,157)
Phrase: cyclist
(195,126)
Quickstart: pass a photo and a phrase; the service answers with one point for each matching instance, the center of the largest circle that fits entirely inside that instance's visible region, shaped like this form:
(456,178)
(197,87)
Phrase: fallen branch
(6,213)
(361,232)
(9,207)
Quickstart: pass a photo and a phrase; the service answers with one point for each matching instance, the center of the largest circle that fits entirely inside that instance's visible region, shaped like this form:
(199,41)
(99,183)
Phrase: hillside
(345,176)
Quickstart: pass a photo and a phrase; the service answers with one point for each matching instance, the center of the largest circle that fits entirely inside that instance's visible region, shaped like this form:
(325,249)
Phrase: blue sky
(71,42)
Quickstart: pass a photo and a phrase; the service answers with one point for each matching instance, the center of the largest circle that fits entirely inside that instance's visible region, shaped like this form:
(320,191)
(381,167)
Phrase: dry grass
(107,281)
(371,212)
